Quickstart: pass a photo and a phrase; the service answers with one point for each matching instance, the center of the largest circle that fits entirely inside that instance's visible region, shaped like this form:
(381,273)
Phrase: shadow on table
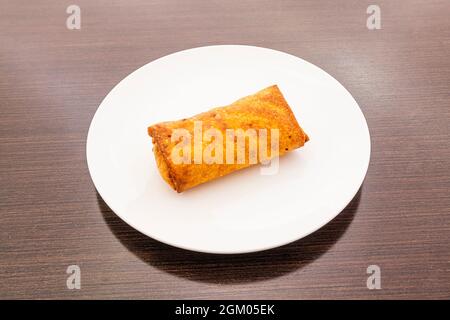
(234,268)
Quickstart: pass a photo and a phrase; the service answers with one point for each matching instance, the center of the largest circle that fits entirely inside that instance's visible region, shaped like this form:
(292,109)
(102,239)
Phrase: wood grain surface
(52,80)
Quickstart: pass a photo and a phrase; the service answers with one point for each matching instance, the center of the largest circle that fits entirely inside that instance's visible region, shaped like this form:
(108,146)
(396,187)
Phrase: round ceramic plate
(245,211)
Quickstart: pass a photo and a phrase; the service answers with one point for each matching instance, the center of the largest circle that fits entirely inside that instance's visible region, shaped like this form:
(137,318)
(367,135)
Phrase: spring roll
(252,130)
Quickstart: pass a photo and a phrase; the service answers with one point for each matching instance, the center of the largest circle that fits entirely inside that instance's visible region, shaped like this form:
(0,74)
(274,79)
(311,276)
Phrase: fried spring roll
(192,151)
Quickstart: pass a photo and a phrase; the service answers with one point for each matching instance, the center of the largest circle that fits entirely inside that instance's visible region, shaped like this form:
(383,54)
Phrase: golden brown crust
(266,109)
(162,157)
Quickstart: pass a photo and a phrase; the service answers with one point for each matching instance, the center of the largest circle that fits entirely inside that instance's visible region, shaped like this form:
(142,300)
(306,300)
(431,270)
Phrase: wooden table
(52,80)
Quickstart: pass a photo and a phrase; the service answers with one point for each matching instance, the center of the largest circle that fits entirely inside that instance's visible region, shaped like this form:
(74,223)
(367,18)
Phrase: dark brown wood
(52,79)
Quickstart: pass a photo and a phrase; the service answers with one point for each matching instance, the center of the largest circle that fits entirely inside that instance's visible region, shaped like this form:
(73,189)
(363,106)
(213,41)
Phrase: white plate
(245,211)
